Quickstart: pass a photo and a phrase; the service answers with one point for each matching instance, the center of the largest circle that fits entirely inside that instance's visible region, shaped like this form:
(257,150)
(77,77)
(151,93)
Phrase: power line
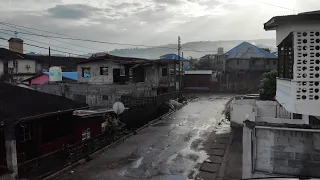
(89,40)
(6,46)
(41,47)
(274,5)
(47,43)
(50,38)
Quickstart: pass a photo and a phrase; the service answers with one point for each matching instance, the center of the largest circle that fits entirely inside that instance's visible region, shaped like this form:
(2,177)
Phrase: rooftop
(246,50)
(198,72)
(172,56)
(302,17)
(19,103)
(118,59)
(15,40)
(9,55)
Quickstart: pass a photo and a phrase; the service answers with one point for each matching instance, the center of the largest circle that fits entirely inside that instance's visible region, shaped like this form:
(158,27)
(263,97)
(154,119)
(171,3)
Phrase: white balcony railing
(301,97)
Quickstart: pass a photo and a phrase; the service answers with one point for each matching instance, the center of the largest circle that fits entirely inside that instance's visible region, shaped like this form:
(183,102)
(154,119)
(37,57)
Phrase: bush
(268,85)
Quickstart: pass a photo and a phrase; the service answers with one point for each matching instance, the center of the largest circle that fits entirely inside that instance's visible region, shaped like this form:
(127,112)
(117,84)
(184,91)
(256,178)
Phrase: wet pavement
(171,149)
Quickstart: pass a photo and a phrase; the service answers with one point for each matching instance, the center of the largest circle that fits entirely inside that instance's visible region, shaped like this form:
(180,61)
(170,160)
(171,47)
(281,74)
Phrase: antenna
(15,34)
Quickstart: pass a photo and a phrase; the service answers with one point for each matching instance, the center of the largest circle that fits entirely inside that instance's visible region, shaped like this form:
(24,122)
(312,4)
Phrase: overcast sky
(149,22)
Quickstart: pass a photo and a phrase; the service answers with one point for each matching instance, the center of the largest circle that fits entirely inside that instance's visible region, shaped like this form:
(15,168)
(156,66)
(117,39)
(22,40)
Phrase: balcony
(300,97)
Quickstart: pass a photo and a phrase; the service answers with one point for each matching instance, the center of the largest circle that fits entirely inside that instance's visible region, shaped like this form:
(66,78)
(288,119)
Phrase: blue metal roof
(246,50)
(172,56)
(70,75)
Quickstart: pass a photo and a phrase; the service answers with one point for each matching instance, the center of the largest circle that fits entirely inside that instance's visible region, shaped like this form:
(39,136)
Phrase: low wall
(280,120)
(241,109)
(97,95)
(280,149)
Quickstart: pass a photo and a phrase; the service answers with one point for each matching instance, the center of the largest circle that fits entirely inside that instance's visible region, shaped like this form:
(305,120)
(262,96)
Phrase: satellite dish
(118,107)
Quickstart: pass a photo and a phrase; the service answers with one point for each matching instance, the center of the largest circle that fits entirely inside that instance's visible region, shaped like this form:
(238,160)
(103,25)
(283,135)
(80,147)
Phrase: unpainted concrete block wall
(288,152)
(97,95)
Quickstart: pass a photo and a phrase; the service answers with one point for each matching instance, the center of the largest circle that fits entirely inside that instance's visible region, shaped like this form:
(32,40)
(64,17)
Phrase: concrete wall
(284,30)
(97,95)
(279,150)
(267,108)
(243,64)
(240,108)
(152,75)
(95,77)
(280,120)
(243,109)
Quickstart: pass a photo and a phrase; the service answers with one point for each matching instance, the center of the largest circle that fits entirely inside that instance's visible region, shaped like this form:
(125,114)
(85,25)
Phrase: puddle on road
(137,163)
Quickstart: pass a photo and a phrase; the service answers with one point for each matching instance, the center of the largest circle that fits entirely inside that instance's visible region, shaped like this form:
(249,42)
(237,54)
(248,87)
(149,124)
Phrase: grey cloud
(72,11)
(126,5)
(169,2)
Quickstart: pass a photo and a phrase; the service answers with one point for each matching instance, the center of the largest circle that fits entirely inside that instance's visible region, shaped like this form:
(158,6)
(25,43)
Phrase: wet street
(170,149)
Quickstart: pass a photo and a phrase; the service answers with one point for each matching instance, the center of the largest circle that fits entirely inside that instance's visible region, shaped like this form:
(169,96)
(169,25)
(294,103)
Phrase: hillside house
(248,57)
(19,66)
(28,128)
(109,69)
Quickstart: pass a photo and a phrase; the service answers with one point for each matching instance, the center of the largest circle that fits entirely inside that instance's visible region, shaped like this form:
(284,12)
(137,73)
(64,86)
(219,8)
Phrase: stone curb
(104,149)
(223,165)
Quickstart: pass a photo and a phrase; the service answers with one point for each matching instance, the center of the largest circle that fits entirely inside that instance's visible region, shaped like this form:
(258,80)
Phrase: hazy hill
(194,49)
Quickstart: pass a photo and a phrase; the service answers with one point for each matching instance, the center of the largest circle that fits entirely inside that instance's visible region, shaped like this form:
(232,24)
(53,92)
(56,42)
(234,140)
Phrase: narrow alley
(170,149)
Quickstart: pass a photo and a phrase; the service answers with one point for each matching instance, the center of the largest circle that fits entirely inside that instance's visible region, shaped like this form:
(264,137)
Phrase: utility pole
(49,58)
(182,69)
(179,49)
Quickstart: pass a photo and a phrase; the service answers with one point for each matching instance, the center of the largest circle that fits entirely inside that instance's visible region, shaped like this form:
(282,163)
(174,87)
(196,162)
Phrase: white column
(246,155)
(305,118)
(11,156)
(11,150)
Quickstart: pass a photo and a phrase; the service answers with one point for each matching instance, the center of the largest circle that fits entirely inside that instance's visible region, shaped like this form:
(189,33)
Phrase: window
(26,131)
(86,134)
(122,72)
(105,97)
(238,62)
(85,72)
(15,64)
(104,71)
(164,71)
(103,126)
(274,62)
(253,62)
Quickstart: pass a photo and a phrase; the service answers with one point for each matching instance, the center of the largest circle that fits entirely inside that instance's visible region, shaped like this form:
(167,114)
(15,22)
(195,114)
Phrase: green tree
(268,85)
(193,63)
(205,64)
(266,49)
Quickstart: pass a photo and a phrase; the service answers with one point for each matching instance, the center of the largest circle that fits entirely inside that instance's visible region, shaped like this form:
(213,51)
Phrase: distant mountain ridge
(193,49)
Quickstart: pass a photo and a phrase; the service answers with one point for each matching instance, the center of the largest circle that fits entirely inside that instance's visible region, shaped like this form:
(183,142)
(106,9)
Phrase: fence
(130,101)
(44,165)
(47,164)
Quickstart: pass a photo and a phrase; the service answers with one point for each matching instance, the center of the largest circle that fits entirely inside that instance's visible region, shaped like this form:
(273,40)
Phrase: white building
(278,144)
(15,63)
(298,41)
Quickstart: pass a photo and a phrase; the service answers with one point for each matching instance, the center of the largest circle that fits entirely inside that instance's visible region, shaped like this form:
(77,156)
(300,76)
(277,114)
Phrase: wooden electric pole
(179,49)
(182,69)
(49,58)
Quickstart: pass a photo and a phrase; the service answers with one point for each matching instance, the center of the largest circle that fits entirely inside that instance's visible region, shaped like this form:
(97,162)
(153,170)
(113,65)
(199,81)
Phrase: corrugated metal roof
(69,75)
(172,56)
(198,72)
(246,50)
